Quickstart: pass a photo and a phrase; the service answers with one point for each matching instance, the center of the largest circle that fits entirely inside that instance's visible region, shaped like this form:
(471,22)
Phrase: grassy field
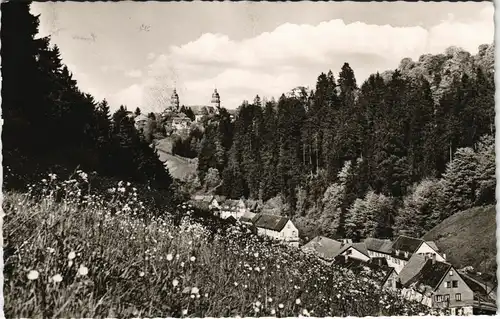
(65,257)
(468,238)
(179,167)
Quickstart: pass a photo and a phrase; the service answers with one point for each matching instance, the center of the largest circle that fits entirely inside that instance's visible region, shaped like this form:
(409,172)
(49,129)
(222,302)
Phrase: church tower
(216,100)
(174,100)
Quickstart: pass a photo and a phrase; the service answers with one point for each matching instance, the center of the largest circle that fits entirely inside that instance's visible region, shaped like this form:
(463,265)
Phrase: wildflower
(270,299)
(206,295)
(57,278)
(175,282)
(182,264)
(195,291)
(281,306)
(184,312)
(235,284)
(256,255)
(83,271)
(141,274)
(297,301)
(33,275)
(257,303)
(273,312)
(193,258)
(51,250)
(305,312)
(170,257)
(71,255)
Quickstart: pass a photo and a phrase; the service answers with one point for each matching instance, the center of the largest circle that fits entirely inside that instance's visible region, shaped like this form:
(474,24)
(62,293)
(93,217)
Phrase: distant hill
(468,238)
(179,167)
(453,62)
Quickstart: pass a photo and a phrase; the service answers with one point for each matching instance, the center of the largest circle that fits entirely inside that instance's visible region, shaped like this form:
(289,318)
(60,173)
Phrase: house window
(348,252)
(446,297)
(447,284)
(455,283)
(458,297)
(439,298)
(451,272)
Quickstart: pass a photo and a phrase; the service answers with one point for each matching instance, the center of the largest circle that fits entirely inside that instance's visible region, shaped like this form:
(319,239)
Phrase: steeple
(216,99)
(174,100)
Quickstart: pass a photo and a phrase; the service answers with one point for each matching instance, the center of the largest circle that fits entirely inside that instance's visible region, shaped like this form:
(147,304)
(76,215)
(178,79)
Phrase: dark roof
(408,244)
(479,290)
(271,222)
(379,245)
(248,217)
(412,268)
(361,247)
(324,247)
(431,274)
(380,273)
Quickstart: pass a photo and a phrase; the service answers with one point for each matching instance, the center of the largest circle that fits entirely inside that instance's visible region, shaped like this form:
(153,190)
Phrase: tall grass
(68,254)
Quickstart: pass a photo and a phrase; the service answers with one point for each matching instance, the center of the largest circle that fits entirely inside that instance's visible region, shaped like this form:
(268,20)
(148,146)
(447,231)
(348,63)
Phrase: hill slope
(179,167)
(468,238)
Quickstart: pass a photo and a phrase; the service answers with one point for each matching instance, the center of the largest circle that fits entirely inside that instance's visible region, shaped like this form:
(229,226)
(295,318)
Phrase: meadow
(69,252)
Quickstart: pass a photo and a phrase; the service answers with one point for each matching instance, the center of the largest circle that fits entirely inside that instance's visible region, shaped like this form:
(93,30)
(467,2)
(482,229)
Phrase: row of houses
(413,267)
(279,228)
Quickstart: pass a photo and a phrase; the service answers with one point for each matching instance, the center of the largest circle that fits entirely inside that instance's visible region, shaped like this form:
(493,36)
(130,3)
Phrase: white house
(356,251)
(404,247)
(235,208)
(277,227)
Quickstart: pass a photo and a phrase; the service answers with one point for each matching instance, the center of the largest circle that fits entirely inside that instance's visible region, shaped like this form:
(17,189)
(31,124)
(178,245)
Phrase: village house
(399,252)
(231,207)
(438,285)
(327,249)
(278,228)
(248,218)
(382,275)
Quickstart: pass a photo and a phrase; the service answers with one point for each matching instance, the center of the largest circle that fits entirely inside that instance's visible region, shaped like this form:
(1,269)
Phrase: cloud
(275,62)
(134,73)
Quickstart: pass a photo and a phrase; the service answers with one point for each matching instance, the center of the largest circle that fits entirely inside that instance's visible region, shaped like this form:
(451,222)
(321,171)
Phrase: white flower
(195,290)
(182,264)
(141,274)
(170,257)
(184,312)
(257,303)
(71,255)
(235,284)
(206,295)
(270,299)
(33,275)
(305,312)
(273,312)
(175,282)
(256,255)
(57,278)
(51,250)
(297,301)
(193,258)
(280,306)
(83,271)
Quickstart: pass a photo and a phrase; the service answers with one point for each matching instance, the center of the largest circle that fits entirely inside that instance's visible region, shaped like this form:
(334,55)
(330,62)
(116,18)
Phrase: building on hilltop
(140,121)
(174,101)
(216,101)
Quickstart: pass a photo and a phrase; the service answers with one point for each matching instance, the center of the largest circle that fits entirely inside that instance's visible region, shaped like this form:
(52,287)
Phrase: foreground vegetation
(68,255)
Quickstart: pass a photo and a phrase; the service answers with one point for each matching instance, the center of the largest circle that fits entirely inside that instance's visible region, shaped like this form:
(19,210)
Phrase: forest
(51,126)
(395,155)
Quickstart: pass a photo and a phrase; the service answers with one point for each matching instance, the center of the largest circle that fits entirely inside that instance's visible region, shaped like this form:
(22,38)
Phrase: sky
(135,53)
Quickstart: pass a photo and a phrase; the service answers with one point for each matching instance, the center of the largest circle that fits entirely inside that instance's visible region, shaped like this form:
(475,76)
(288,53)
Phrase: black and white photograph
(238,159)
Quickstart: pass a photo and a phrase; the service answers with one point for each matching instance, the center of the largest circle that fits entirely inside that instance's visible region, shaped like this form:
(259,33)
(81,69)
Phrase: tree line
(375,160)
(49,122)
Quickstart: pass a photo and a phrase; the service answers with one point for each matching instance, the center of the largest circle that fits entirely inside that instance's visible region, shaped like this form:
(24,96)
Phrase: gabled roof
(408,244)
(479,290)
(271,222)
(379,273)
(361,247)
(248,217)
(324,247)
(379,245)
(412,268)
(430,275)
(433,245)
